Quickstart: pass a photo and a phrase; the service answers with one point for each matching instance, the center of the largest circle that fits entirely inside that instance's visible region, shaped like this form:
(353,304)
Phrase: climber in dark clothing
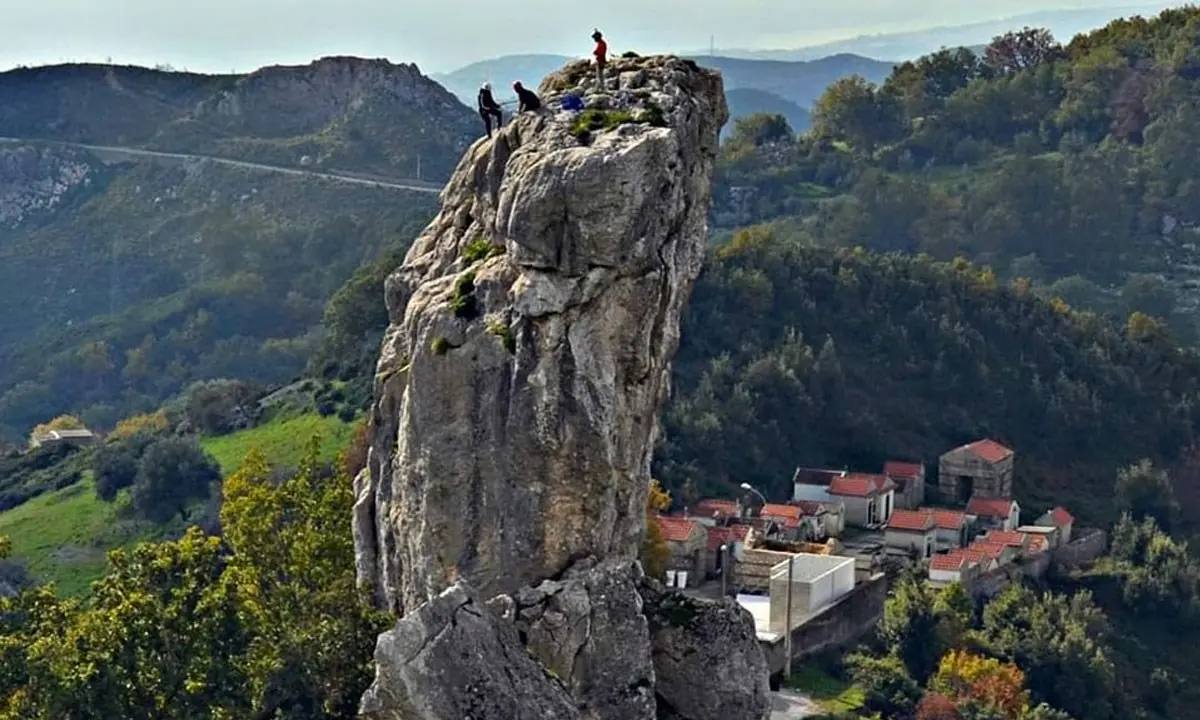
(528,100)
(488,108)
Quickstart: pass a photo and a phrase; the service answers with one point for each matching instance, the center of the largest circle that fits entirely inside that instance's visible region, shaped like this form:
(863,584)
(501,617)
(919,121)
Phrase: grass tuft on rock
(504,332)
(440,345)
(481,249)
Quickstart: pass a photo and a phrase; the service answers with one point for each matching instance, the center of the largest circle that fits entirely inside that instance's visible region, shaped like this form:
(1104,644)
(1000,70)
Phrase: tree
(114,467)
(937,707)
(217,407)
(853,110)
(655,554)
(986,682)
(910,627)
(312,630)
(150,424)
(761,129)
(1146,491)
(887,687)
(1021,50)
(172,473)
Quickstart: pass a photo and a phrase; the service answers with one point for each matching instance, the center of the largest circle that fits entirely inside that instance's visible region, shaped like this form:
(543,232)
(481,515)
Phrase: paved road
(787,705)
(394,183)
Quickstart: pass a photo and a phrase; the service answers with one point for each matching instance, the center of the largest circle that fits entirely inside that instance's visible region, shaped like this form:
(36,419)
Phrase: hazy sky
(441,35)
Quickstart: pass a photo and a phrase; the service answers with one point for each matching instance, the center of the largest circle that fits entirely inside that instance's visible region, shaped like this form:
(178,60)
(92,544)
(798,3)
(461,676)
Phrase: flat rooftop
(759,606)
(807,567)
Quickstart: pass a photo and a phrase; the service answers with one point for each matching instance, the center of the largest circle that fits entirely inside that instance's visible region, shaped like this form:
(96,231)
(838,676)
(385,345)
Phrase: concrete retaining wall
(1083,549)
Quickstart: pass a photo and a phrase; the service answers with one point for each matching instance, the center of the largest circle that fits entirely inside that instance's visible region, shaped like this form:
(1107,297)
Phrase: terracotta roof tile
(739,532)
(676,529)
(860,485)
(911,520)
(809,507)
(978,555)
(713,507)
(948,561)
(815,476)
(718,536)
(1005,537)
(775,510)
(900,469)
(989,507)
(992,551)
(1061,517)
(948,519)
(988,450)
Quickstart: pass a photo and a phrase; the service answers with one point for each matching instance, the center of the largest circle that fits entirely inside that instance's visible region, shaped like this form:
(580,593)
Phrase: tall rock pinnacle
(517,402)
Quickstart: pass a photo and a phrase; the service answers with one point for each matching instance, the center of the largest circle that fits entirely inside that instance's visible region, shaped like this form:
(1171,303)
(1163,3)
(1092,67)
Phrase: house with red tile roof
(867,497)
(909,478)
(714,511)
(995,513)
(982,468)
(952,526)
(1010,538)
(911,530)
(954,567)
(1061,519)
(687,541)
(733,537)
(794,524)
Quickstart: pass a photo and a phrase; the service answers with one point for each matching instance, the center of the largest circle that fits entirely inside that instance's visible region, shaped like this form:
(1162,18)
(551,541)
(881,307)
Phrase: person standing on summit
(489,108)
(601,53)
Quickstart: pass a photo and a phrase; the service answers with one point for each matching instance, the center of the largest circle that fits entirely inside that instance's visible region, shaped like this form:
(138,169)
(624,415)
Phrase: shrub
(505,333)
(172,473)
(439,346)
(463,302)
(114,467)
(481,249)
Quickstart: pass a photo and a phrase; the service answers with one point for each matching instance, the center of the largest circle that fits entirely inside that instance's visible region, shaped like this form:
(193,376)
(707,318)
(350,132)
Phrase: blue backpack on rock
(572,103)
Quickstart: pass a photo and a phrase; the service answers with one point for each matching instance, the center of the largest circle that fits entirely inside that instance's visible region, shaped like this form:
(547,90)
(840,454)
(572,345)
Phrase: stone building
(687,541)
(983,468)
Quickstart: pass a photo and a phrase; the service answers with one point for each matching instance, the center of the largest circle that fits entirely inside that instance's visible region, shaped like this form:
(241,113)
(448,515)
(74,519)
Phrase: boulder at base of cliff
(453,659)
(708,663)
(588,628)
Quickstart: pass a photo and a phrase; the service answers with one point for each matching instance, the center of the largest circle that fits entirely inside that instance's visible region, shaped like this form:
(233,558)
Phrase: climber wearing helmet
(488,108)
(601,53)
(528,100)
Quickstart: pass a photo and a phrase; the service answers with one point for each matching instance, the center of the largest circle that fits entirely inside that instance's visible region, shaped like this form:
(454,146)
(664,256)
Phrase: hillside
(335,113)
(124,278)
(1049,162)
(902,46)
(744,102)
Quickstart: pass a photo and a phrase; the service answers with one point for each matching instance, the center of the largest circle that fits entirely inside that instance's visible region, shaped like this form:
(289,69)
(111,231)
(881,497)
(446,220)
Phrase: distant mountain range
(1065,24)
(787,88)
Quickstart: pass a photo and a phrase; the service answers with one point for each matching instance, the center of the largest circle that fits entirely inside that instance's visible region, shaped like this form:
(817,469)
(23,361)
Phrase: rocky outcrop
(708,664)
(520,381)
(454,658)
(37,179)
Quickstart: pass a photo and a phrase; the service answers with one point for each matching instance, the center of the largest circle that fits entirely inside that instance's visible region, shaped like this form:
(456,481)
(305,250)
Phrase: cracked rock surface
(517,402)
(708,664)
(493,677)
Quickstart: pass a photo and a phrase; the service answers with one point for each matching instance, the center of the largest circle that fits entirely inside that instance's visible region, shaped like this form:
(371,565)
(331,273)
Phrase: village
(813,570)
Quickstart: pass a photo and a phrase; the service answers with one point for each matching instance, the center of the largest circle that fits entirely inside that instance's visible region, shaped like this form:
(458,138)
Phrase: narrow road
(787,705)
(393,183)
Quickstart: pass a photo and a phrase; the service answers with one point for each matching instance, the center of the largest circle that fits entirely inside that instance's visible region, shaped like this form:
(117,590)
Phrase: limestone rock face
(532,326)
(518,393)
(454,658)
(708,664)
(588,628)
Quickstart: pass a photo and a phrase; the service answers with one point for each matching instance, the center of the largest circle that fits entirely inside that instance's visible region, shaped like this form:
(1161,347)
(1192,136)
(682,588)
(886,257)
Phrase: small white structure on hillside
(818,581)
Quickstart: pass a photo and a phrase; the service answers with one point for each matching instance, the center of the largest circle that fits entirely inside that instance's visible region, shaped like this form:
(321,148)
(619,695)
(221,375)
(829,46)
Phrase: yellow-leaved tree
(62,422)
(655,554)
(985,682)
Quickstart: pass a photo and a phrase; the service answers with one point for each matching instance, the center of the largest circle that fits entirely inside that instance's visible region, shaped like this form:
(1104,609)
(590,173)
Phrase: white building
(818,581)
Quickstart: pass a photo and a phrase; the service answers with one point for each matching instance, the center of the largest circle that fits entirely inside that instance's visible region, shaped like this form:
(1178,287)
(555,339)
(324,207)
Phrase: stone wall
(1084,548)
(1090,545)
(839,626)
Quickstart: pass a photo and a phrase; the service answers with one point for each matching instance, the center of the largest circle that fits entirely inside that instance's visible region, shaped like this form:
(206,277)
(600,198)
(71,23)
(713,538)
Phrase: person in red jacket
(601,53)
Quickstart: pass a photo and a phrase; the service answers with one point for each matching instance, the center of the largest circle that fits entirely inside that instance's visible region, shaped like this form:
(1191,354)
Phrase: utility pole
(418,166)
(712,45)
(787,638)
(723,554)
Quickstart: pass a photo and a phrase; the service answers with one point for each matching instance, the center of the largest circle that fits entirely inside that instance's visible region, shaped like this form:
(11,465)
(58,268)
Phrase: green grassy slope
(64,536)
